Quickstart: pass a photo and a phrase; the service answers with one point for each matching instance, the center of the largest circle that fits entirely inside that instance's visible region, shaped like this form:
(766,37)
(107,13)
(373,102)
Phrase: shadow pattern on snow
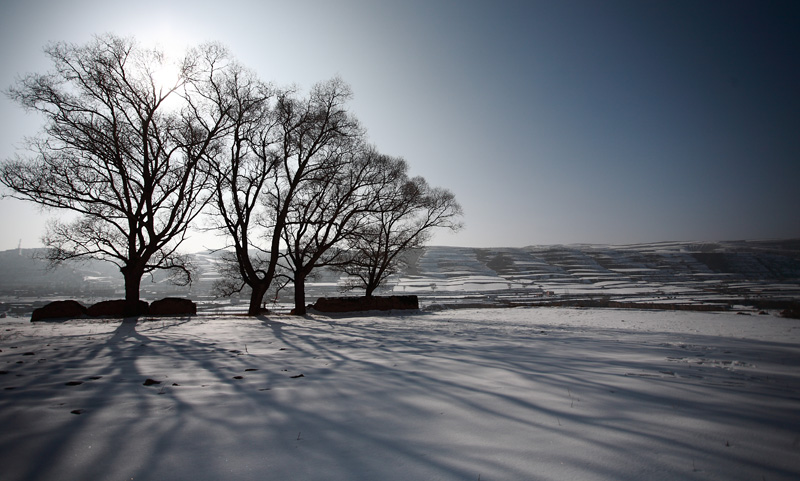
(426,396)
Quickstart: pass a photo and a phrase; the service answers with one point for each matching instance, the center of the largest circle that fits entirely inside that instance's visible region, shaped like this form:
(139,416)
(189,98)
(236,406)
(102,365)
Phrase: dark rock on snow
(173,306)
(117,308)
(170,306)
(59,310)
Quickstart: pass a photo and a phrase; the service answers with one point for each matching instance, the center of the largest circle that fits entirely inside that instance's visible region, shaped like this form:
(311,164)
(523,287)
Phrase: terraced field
(676,274)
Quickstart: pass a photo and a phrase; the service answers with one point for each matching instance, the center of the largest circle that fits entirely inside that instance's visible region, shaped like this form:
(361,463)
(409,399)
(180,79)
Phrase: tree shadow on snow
(419,398)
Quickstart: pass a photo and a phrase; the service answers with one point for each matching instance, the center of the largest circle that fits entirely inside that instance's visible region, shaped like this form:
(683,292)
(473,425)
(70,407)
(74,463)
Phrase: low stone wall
(357,304)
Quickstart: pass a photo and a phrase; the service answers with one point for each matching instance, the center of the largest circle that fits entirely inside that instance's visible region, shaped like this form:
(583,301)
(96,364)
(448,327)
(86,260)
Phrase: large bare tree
(299,189)
(122,147)
(328,210)
(275,158)
(241,175)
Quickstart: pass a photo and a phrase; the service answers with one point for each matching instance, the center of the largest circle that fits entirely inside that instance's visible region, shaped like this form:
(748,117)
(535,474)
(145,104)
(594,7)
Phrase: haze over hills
(670,273)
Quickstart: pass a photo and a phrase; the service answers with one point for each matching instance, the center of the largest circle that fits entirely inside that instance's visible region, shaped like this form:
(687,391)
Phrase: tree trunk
(133,282)
(257,294)
(299,294)
(372,283)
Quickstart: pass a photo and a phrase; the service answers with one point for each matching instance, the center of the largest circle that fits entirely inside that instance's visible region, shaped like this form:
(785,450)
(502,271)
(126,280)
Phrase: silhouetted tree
(123,147)
(401,217)
(328,210)
(241,175)
(278,156)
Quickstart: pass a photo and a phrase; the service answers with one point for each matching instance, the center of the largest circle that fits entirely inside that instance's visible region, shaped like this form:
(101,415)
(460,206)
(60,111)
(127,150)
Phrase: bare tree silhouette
(328,210)
(278,156)
(401,217)
(123,147)
(139,154)
(241,176)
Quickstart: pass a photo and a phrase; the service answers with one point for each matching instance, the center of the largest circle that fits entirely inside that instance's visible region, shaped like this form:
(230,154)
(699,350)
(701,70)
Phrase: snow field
(490,394)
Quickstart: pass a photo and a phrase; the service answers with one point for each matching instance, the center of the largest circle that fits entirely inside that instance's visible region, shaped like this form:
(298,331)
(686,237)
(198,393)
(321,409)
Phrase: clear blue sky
(558,121)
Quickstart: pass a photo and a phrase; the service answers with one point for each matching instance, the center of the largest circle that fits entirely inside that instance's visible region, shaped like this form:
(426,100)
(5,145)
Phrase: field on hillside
(675,275)
(719,275)
(484,394)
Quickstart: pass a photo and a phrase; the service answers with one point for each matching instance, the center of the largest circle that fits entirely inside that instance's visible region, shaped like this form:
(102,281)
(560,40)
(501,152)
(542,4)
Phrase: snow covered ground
(488,394)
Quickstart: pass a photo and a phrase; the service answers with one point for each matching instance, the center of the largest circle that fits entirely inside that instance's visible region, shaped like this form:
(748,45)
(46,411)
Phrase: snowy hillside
(674,273)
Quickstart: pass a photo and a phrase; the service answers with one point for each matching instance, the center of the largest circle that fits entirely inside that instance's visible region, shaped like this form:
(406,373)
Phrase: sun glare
(166,75)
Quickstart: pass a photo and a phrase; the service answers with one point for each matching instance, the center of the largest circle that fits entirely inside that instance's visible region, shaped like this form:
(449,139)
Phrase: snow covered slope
(669,273)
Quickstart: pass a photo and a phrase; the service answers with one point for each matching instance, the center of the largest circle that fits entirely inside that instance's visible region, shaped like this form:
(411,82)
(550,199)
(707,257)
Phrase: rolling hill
(674,274)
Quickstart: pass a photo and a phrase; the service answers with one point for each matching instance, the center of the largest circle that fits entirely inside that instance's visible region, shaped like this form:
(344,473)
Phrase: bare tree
(241,175)
(122,147)
(276,155)
(328,210)
(403,213)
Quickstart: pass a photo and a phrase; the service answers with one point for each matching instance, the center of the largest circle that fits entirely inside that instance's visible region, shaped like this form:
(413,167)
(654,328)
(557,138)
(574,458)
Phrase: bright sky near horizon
(553,122)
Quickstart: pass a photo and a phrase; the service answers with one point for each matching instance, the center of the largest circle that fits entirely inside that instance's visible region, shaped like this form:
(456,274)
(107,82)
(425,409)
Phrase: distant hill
(21,271)
(666,272)
(24,272)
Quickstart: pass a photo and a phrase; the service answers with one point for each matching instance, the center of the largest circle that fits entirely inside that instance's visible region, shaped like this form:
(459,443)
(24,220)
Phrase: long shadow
(378,390)
(561,371)
(119,374)
(60,382)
